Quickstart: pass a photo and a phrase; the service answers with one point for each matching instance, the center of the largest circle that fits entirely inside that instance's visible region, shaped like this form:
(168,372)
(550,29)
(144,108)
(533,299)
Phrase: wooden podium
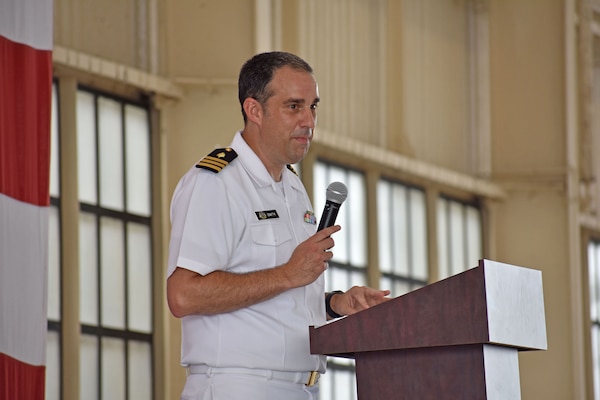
(458,338)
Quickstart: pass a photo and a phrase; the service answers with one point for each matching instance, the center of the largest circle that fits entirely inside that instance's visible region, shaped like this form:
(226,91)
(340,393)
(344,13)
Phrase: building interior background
(464,130)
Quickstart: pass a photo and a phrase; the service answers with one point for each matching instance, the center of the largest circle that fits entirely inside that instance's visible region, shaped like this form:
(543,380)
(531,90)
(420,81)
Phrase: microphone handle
(329,215)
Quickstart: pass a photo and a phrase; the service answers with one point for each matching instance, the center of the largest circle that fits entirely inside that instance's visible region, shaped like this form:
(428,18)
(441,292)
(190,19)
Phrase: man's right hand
(309,259)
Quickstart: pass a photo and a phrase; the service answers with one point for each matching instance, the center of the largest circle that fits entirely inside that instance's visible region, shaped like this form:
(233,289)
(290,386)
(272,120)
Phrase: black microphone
(336,194)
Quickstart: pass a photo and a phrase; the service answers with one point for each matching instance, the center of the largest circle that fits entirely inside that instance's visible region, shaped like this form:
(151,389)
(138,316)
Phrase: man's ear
(254,110)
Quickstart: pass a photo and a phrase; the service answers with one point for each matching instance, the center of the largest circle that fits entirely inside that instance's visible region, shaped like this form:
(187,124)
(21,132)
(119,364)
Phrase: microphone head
(337,192)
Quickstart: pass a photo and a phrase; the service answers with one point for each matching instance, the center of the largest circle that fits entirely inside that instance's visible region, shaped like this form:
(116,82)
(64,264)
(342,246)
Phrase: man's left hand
(358,298)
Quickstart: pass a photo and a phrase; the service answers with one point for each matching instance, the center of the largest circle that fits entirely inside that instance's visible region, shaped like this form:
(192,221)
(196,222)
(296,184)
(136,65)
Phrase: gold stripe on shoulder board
(217,160)
(292,169)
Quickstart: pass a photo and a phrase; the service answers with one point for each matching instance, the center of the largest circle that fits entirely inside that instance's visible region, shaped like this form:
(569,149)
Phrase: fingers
(363,297)
(309,259)
(321,242)
(324,239)
(326,232)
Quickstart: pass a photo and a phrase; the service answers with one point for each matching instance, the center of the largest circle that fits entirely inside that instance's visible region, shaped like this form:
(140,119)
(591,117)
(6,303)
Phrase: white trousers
(244,387)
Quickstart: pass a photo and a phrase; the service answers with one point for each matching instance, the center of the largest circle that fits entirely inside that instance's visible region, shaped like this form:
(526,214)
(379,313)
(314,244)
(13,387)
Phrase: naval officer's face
(290,115)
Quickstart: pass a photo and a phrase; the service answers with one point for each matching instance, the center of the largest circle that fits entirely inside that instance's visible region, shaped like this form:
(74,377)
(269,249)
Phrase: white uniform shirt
(241,220)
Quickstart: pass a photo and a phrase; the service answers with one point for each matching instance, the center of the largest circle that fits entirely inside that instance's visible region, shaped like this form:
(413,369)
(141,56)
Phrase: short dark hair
(258,71)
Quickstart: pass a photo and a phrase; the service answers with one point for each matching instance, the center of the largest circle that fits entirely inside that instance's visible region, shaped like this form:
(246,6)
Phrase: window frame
(69,328)
(435,185)
(99,331)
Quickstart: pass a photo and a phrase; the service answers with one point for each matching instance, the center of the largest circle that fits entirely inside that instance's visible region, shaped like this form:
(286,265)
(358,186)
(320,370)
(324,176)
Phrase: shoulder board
(292,169)
(217,160)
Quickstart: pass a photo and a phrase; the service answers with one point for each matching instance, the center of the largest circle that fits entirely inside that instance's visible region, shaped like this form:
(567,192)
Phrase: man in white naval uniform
(246,264)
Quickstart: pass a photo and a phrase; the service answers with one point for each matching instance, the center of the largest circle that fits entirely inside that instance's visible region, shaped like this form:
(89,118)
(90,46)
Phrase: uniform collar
(256,169)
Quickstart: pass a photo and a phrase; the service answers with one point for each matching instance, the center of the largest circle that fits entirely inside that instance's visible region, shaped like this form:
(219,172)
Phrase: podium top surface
(494,303)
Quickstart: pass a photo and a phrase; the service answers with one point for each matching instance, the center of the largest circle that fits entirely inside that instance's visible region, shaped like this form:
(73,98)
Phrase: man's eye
(314,106)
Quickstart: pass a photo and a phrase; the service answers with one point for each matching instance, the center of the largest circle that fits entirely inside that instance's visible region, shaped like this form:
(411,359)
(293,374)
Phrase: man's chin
(299,156)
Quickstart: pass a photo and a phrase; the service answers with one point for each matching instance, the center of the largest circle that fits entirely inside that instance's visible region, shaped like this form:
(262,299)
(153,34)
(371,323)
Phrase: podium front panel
(469,372)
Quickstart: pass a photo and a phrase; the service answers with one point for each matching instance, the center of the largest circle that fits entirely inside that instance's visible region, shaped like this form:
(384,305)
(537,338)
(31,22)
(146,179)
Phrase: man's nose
(309,118)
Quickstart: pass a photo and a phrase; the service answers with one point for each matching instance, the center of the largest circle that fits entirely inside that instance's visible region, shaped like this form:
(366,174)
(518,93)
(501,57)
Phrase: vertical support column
(573,186)
(166,385)
(373,267)
(69,199)
(263,22)
(433,256)
(395,138)
(480,125)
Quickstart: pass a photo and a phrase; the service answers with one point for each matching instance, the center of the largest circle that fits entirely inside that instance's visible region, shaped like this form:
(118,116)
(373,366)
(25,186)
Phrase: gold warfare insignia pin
(217,160)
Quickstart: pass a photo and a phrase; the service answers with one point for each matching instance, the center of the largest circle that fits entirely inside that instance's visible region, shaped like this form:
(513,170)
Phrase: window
(403,245)
(339,382)
(114,167)
(348,265)
(459,236)
(113,171)
(594,282)
(402,228)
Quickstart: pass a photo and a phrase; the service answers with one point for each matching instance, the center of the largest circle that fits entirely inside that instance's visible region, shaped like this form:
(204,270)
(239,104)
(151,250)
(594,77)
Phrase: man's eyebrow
(294,100)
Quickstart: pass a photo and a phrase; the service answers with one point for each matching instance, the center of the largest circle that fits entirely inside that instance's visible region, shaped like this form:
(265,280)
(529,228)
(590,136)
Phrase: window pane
(53,264)
(325,386)
(336,278)
(112,272)
(110,133)
(460,241)
(53,366)
(337,174)
(140,371)
(399,235)
(418,234)
(86,148)
(457,239)
(341,385)
(138,168)
(442,239)
(403,242)
(594,284)
(88,368)
(320,189)
(596,359)
(398,287)
(341,249)
(357,278)
(384,226)
(139,278)
(355,219)
(88,269)
(594,279)
(351,241)
(54,149)
(474,240)
(113,369)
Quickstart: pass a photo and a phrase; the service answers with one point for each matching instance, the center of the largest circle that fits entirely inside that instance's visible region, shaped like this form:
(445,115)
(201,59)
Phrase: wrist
(330,311)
